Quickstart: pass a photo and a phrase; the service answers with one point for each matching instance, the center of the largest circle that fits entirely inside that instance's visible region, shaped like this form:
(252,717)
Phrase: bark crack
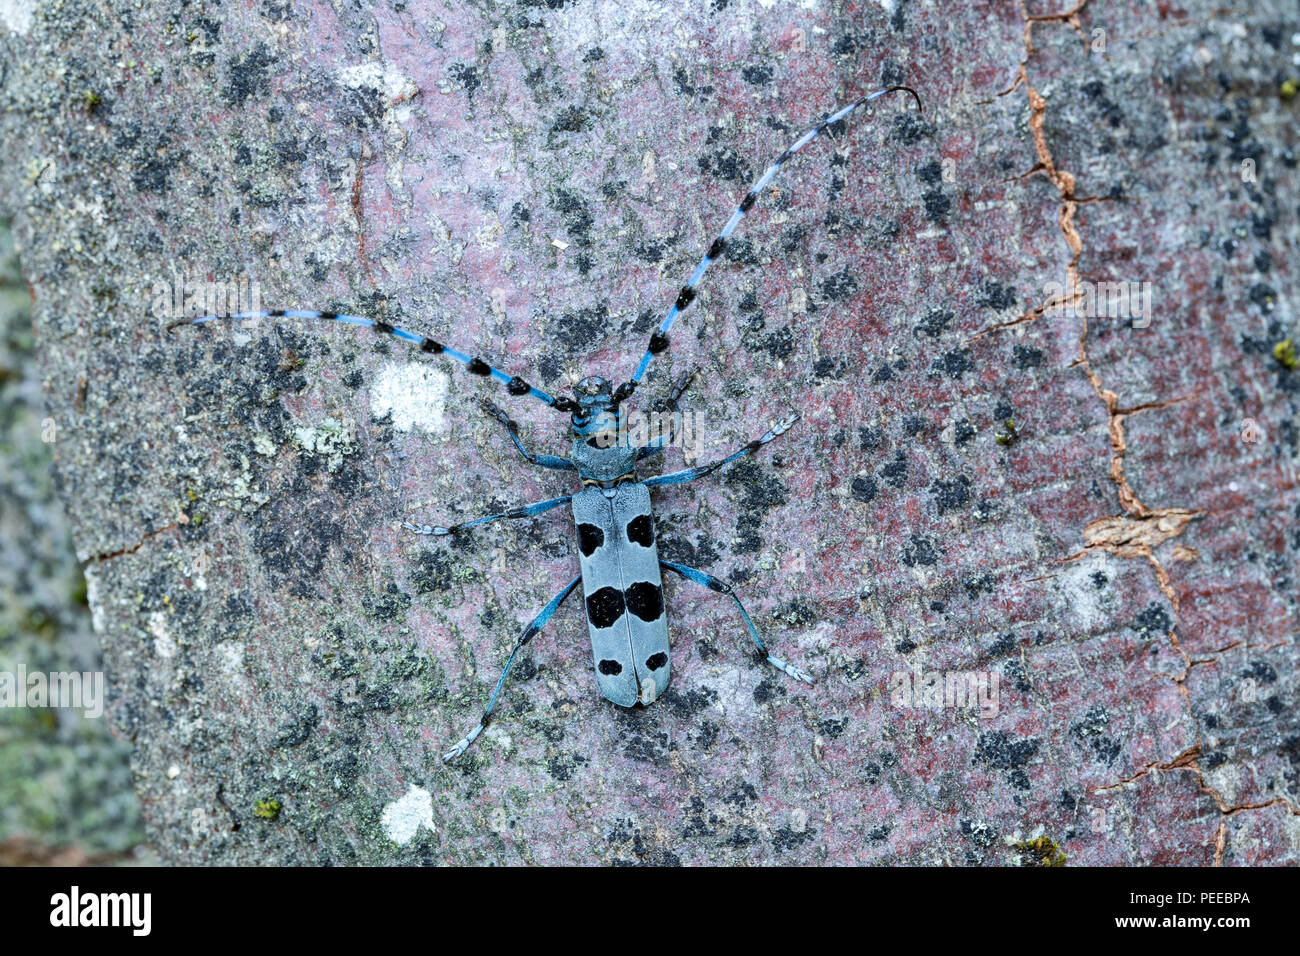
(1139,529)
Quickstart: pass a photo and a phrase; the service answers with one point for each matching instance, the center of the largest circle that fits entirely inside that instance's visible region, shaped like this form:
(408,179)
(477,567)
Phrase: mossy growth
(1041,851)
(267,809)
(1284,352)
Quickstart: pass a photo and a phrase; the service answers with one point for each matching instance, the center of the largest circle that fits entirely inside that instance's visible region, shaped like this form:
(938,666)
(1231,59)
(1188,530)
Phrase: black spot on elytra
(656,661)
(605,607)
(611,668)
(645,600)
(590,538)
(640,530)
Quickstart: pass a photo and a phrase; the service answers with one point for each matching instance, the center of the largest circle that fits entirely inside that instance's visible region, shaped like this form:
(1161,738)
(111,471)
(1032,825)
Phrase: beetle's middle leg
(524,511)
(704,579)
(699,471)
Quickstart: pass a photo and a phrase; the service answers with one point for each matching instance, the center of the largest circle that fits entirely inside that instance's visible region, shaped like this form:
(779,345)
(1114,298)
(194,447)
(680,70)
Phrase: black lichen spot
(656,661)
(992,295)
(562,766)
(640,530)
(936,204)
(1261,671)
(605,607)
(832,727)
(571,119)
(895,473)
(762,492)
(930,172)
(910,127)
(1090,733)
(433,572)
(920,551)
(1014,671)
(933,323)
(388,606)
(249,75)
(996,749)
(863,488)
(1025,357)
(787,838)
(466,75)
(580,329)
(950,494)
(576,214)
(611,668)
(780,344)
(298,728)
(954,364)
(590,537)
(724,164)
(645,600)
(840,286)
(768,689)
(1154,621)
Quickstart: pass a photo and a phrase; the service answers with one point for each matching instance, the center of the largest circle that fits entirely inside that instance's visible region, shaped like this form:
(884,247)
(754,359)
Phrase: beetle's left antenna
(659,340)
(476,366)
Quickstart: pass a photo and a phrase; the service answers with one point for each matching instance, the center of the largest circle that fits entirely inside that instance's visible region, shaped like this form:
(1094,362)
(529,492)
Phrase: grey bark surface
(978,485)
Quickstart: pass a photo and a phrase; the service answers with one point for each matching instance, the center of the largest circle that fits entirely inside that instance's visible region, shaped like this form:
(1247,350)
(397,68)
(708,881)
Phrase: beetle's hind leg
(704,579)
(535,625)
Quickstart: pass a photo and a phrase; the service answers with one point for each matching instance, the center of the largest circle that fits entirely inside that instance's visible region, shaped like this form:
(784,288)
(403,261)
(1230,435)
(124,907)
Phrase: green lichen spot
(1289,89)
(1284,352)
(267,809)
(1008,437)
(1041,851)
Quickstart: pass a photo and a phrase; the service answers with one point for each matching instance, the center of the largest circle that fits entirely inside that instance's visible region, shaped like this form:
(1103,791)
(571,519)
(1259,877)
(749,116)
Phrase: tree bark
(1096,510)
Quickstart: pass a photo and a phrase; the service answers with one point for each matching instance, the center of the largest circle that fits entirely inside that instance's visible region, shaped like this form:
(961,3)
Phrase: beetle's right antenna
(659,340)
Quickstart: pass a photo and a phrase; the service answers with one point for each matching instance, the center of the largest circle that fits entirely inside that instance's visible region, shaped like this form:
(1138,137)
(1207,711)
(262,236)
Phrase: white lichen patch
(241,489)
(330,440)
(163,644)
(1082,586)
(17,14)
(93,599)
(397,87)
(403,817)
(263,444)
(414,394)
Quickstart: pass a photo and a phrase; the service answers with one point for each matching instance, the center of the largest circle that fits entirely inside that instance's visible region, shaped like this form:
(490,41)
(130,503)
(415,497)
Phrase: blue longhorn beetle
(619,560)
